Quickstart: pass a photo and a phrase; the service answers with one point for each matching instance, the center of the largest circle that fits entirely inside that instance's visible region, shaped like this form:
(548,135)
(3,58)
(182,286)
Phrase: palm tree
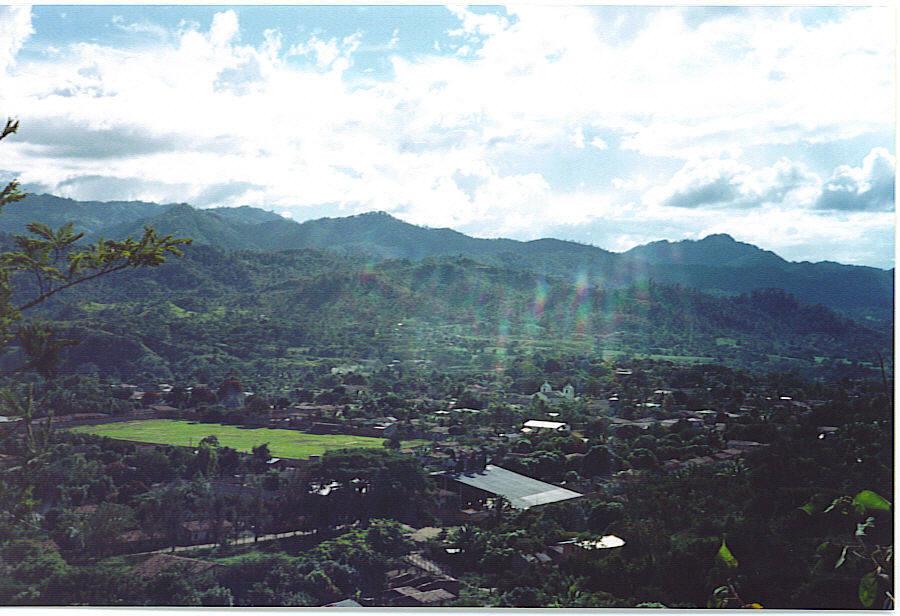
(470,540)
(501,505)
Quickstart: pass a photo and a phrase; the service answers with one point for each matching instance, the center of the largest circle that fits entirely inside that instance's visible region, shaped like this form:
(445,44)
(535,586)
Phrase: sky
(611,126)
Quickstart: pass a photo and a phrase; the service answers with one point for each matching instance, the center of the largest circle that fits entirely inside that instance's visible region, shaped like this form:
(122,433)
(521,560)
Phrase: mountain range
(717,264)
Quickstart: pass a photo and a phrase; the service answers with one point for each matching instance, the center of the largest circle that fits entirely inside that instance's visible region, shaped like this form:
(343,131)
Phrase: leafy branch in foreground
(53,260)
(870,550)
(43,263)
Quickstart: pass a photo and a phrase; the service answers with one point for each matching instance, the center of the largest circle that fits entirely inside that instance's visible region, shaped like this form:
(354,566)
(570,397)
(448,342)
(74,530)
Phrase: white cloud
(638,182)
(15,28)
(870,187)
(729,183)
(480,24)
(140,27)
(578,138)
(201,114)
(330,53)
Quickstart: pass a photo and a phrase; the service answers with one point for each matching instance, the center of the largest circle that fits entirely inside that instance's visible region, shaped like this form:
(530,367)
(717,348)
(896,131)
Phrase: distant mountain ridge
(718,249)
(717,264)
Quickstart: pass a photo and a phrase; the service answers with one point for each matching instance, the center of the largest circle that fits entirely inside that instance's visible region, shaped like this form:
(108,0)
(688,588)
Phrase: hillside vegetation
(717,264)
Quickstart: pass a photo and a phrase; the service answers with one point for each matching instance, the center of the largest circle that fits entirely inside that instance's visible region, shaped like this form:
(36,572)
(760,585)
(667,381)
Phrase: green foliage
(32,563)
(868,589)
(53,260)
(725,556)
(214,312)
(868,500)
(217,596)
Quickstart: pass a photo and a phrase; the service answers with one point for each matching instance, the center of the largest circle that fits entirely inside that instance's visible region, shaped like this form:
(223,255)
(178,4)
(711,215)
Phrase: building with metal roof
(522,492)
(538,424)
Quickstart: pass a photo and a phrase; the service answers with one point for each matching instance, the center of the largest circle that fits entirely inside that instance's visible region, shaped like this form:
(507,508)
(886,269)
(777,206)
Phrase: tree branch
(44,296)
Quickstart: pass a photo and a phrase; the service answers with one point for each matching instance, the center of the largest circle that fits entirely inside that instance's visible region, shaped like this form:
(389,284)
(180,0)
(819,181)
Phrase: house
(743,445)
(538,425)
(826,431)
(728,454)
(407,596)
(423,583)
(708,416)
(202,531)
(138,541)
(322,427)
(163,409)
(160,563)
(438,433)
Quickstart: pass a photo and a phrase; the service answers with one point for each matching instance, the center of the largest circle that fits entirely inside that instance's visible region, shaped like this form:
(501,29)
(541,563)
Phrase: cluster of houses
(420,583)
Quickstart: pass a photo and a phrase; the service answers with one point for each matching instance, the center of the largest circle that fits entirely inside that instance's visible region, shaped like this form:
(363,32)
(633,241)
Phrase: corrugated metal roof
(521,491)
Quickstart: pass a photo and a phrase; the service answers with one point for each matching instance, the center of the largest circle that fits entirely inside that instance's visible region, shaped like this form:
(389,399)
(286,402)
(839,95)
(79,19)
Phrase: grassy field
(282,443)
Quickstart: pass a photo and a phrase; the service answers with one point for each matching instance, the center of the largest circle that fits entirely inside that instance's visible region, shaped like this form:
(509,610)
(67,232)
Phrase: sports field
(282,443)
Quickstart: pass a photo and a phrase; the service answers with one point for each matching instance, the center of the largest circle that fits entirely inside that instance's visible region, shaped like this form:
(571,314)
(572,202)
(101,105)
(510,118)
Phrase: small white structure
(539,425)
(603,543)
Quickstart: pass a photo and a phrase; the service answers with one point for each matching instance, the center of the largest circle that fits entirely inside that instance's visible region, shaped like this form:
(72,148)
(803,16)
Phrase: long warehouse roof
(521,491)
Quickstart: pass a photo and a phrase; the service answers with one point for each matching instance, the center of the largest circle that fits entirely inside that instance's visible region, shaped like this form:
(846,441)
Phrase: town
(429,459)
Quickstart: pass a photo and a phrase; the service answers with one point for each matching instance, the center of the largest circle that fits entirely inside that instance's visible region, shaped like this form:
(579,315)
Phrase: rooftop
(345,603)
(545,425)
(521,491)
(157,563)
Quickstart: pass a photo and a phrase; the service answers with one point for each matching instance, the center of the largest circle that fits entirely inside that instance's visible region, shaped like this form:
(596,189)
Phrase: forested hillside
(717,264)
(215,310)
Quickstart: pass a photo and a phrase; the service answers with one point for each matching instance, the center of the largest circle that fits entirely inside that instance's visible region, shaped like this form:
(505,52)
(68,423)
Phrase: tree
(501,505)
(103,527)
(206,460)
(642,459)
(47,261)
(597,461)
(260,457)
(55,260)
(257,404)
(229,461)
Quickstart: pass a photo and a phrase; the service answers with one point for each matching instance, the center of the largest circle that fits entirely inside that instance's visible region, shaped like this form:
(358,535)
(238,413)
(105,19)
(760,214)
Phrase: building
(344,603)
(539,425)
(422,583)
(199,531)
(548,396)
(521,491)
(160,563)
